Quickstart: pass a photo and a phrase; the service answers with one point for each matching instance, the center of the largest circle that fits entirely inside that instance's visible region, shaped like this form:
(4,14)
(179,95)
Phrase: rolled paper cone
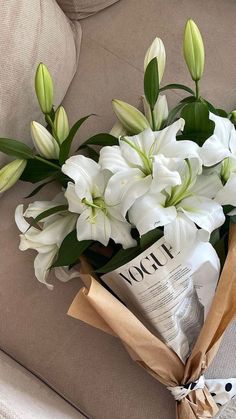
(99,308)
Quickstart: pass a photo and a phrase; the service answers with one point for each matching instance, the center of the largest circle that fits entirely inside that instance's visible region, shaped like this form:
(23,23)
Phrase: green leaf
(197,122)
(102,139)
(47,213)
(177,86)
(122,257)
(71,249)
(148,239)
(174,112)
(222,113)
(92,154)
(66,145)
(36,190)
(36,170)
(15,148)
(215,237)
(151,82)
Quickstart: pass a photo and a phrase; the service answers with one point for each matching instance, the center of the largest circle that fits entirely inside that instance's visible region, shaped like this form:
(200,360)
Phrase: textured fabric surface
(79,9)
(90,368)
(32,32)
(23,396)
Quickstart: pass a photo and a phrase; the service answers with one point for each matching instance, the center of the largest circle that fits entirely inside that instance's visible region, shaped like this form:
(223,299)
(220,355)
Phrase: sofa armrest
(23,396)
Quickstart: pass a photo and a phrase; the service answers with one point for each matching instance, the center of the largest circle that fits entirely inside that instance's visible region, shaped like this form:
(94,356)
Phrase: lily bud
(10,174)
(61,124)
(130,117)
(157,50)
(160,112)
(44,142)
(233,117)
(194,50)
(118,130)
(44,88)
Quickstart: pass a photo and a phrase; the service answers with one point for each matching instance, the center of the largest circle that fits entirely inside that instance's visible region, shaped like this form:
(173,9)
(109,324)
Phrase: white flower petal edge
(47,240)
(218,146)
(125,187)
(149,212)
(204,212)
(227,195)
(181,232)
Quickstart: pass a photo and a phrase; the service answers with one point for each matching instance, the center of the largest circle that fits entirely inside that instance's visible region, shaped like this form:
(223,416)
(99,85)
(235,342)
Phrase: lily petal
(227,196)
(93,225)
(125,187)
(167,136)
(148,213)
(74,201)
(181,232)
(204,212)
(164,173)
(111,158)
(42,263)
(80,168)
(207,185)
(120,233)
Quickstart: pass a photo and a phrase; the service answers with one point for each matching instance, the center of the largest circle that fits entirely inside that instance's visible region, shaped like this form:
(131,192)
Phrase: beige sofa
(89,369)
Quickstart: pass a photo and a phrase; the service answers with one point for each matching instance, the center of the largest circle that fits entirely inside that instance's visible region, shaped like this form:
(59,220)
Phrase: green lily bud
(10,174)
(157,50)
(61,124)
(233,117)
(130,117)
(160,112)
(194,50)
(44,142)
(118,130)
(44,88)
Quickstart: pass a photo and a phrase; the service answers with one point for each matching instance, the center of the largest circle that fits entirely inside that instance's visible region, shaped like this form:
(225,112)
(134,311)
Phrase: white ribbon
(180,392)
(222,390)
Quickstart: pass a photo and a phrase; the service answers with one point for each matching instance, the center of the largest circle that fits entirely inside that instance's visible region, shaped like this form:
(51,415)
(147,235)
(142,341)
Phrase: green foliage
(37,170)
(15,148)
(151,83)
(198,126)
(71,250)
(66,145)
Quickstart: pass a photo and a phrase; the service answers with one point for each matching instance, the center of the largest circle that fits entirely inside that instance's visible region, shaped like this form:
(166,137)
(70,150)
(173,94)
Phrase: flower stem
(197,89)
(49,163)
(153,120)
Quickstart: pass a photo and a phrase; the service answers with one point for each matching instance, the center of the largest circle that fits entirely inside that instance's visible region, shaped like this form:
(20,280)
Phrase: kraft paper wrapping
(99,308)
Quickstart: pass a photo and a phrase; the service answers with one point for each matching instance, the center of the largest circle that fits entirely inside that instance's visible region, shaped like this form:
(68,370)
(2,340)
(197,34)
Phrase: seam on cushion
(123,59)
(45,382)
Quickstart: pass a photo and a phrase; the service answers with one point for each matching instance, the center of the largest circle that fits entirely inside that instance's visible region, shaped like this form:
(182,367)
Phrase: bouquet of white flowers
(148,213)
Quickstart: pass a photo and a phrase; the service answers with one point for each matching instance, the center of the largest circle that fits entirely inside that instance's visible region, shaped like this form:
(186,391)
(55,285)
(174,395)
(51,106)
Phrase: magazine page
(170,292)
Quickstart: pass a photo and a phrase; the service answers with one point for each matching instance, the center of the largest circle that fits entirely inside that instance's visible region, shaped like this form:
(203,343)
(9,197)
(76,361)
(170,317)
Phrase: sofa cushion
(30,33)
(23,396)
(86,366)
(79,9)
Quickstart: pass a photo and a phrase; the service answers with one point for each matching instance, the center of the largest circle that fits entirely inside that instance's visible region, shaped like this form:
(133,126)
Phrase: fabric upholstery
(80,9)
(90,368)
(23,396)
(33,32)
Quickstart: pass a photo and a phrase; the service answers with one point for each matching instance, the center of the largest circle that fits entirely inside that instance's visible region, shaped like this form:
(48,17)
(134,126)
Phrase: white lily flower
(144,159)
(181,209)
(160,112)
(46,240)
(44,142)
(220,150)
(88,197)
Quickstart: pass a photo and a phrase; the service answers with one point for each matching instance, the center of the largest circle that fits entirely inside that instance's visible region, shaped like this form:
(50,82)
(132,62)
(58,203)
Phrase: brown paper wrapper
(99,308)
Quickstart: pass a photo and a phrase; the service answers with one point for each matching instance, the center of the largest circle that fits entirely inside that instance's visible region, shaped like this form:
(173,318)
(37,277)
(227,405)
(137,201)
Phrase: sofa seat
(89,368)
